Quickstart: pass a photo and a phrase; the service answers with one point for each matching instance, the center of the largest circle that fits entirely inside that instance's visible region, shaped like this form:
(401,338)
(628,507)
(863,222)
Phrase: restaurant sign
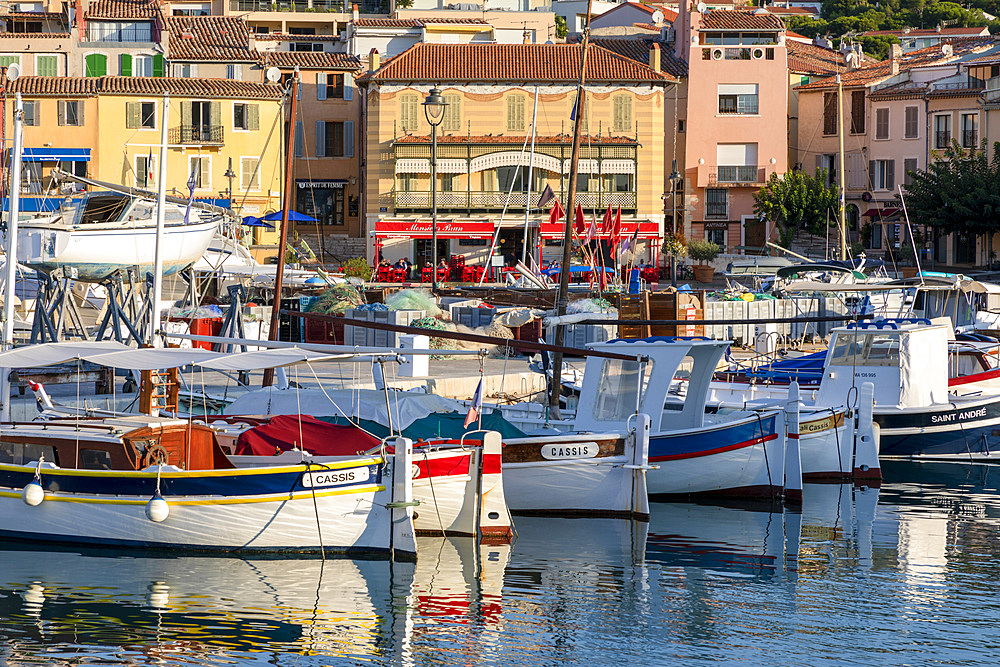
(421,229)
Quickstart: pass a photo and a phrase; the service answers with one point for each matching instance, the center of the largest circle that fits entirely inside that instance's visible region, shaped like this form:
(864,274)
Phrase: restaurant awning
(56,155)
(882,212)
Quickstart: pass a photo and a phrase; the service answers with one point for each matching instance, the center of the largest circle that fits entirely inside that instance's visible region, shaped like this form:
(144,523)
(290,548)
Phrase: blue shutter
(320,138)
(300,140)
(321,86)
(348,86)
(349,138)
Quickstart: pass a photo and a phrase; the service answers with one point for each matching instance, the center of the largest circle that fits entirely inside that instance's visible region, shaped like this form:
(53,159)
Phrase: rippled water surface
(903,575)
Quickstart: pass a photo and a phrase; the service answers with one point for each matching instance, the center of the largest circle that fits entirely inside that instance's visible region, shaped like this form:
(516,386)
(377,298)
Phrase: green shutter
(47,66)
(125,64)
(96,64)
(253,117)
(158,65)
(216,117)
(132,112)
(185,114)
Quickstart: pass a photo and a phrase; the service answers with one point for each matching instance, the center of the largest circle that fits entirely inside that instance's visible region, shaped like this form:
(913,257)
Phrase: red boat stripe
(717,450)
(978,377)
(491,464)
(444,467)
(793,436)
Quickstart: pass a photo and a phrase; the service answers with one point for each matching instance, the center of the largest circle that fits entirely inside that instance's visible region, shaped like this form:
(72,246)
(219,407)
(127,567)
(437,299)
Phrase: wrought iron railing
(736,174)
(495,200)
(969,138)
(196,134)
(942,139)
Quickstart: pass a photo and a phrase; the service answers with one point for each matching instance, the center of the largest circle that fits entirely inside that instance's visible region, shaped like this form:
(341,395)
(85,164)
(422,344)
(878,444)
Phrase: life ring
(154,455)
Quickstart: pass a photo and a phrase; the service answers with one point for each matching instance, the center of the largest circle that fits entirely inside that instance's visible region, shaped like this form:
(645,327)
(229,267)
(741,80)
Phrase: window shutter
(206,180)
(871,175)
(215,119)
(125,64)
(300,141)
(520,112)
(819,164)
(79,112)
(185,114)
(249,170)
(890,174)
(253,117)
(349,138)
(158,65)
(61,112)
(452,113)
(321,138)
(131,115)
(321,86)
(348,86)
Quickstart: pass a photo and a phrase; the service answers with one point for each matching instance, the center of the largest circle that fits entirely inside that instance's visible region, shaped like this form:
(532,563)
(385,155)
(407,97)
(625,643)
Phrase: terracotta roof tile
(514,140)
(812,59)
(209,38)
(36,35)
(646,26)
(310,60)
(511,62)
(123,9)
(637,48)
(43,86)
(740,19)
(415,23)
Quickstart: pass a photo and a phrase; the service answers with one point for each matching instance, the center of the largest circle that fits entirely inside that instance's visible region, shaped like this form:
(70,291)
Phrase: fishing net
(414,299)
(336,299)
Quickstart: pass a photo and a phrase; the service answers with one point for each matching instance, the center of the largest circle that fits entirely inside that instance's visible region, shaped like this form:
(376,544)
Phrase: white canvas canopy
(50,354)
(258,359)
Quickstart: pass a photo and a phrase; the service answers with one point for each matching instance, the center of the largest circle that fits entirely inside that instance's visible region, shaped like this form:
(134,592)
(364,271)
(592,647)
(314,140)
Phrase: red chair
(426,274)
(399,275)
(442,273)
(468,274)
(385,274)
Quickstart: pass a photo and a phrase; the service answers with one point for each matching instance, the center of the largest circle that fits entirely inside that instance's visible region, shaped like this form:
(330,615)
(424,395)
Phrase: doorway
(423,251)
(510,245)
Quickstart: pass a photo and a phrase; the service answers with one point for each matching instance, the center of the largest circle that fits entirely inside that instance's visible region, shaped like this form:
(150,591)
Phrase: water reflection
(907,574)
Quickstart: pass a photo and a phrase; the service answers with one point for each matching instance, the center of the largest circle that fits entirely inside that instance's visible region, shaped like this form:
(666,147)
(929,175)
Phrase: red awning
(421,229)
(881,212)
(317,437)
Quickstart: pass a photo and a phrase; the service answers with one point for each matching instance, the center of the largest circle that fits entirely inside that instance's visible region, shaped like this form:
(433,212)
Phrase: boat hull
(960,431)
(744,458)
(303,508)
(92,255)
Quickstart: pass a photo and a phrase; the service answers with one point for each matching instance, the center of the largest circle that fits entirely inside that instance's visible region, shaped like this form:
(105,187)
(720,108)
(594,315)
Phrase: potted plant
(702,252)
(674,247)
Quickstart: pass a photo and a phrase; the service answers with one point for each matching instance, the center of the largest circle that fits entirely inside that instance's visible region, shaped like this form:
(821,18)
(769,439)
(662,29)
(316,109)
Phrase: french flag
(477,405)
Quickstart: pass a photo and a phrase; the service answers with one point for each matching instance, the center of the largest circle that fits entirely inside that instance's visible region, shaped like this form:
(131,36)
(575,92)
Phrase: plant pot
(703,274)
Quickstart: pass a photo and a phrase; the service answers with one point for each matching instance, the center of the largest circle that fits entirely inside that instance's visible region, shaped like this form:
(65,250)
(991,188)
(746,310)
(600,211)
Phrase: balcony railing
(495,201)
(365,7)
(942,139)
(736,174)
(196,134)
(969,138)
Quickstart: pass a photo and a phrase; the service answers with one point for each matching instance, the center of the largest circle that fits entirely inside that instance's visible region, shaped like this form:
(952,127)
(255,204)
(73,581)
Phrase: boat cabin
(127,443)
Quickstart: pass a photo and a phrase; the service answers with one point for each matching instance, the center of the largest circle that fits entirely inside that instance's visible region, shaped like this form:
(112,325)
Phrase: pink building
(736,133)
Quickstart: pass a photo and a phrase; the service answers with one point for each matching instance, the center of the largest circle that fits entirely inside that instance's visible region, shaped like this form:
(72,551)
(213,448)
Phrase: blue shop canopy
(56,155)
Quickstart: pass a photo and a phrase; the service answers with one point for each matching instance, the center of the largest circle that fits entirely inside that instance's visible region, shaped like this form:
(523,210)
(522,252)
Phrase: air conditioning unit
(717,54)
(757,53)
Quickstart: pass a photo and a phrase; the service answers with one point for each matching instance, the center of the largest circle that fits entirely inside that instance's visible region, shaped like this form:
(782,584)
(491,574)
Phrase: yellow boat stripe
(244,500)
(240,472)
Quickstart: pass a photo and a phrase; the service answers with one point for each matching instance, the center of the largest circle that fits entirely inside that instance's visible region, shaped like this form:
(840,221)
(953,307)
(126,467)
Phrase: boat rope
(298,410)
(763,444)
(328,397)
(965,437)
(836,435)
(312,488)
(437,506)
(76,463)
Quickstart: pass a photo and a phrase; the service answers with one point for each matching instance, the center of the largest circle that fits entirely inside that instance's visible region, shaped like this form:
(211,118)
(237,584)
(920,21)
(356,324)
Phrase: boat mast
(11,250)
(527,199)
(161,212)
(563,296)
(279,272)
(843,180)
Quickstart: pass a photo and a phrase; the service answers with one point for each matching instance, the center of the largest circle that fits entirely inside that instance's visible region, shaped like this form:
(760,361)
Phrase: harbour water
(903,575)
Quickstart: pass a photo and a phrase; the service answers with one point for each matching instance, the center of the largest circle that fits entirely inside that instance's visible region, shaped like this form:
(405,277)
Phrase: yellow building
(484,154)
(225,134)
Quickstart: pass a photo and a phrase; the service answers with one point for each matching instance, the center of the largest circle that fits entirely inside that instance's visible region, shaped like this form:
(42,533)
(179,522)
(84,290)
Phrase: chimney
(374,62)
(354,12)
(893,67)
(895,52)
(654,56)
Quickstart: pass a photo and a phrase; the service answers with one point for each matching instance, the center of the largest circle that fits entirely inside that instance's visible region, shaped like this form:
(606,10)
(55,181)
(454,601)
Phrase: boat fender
(33,494)
(41,395)
(157,509)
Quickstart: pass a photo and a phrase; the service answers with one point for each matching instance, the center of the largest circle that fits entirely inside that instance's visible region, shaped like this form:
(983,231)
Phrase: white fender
(403,541)
(495,524)
(639,440)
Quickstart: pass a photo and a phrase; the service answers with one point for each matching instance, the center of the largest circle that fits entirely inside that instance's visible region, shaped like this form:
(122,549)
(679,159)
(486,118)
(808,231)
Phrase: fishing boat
(92,236)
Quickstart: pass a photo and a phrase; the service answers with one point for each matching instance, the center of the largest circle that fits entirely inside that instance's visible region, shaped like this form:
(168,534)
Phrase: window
(909,166)
(858,112)
(199,168)
(70,112)
(20,454)
(738,98)
(142,66)
(95,459)
(716,236)
(335,86)
(942,131)
(306,47)
(47,66)
(883,175)
(31,113)
(234,72)
(618,183)
(910,126)
(334,139)
(408,108)
(515,113)
(452,114)
(246,117)
(249,173)
(448,182)
(736,163)
(881,123)
(716,203)
(185,70)
(407,183)
(145,171)
(119,31)
(620,387)
(680,125)
(140,115)
(830,113)
(827,162)
(7,61)
(622,119)
(970,130)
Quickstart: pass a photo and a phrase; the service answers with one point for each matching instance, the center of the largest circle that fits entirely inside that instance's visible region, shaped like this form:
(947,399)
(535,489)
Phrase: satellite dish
(273,74)
(702,7)
(13,72)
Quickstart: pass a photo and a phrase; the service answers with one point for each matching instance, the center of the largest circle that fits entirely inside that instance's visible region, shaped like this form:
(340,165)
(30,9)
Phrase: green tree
(795,201)
(561,29)
(959,191)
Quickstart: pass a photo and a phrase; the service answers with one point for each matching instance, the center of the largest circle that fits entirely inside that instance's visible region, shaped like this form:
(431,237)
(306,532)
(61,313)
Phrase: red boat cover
(317,437)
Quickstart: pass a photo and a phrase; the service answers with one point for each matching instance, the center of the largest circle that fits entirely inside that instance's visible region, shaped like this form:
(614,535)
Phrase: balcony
(196,134)
(338,6)
(737,174)
(494,201)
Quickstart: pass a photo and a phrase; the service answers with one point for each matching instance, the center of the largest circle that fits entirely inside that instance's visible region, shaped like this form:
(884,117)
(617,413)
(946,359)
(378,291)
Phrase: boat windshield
(860,349)
(620,388)
(104,208)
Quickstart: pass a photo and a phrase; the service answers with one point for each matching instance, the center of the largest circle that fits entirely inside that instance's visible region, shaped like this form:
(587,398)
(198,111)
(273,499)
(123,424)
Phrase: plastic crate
(365,337)
(472,316)
(579,335)
(326,331)
(201,326)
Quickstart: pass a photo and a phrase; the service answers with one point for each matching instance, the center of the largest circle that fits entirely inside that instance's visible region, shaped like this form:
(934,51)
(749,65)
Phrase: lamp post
(675,179)
(434,112)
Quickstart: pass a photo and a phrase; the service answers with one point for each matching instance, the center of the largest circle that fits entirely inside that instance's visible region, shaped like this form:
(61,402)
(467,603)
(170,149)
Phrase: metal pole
(527,200)
(11,250)
(434,209)
(563,298)
(161,204)
(673,230)
(843,184)
(272,334)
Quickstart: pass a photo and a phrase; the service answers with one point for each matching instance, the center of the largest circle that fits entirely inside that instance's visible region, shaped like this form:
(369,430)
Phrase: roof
(211,38)
(646,26)
(414,23)
(930,32)
(797,11)
(669,15)
(637,48)
(511,62)
(34,16)
(36,35)
(123,9)
(310,60)
(513,139)
(812,59)
(60,86)
(741,19)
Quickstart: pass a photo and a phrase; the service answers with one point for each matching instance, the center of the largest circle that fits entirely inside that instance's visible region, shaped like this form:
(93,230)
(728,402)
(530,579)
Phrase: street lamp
(434,112)
(675,179)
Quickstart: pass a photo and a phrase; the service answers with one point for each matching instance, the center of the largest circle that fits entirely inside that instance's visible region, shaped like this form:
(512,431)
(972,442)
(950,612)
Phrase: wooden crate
(633,307)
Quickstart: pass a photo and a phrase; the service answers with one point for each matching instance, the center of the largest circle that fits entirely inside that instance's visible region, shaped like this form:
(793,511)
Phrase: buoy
(33,494)
(157,509)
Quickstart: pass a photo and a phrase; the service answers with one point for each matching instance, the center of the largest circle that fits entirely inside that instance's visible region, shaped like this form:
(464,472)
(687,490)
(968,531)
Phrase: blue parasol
(250,221)
(293,216)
